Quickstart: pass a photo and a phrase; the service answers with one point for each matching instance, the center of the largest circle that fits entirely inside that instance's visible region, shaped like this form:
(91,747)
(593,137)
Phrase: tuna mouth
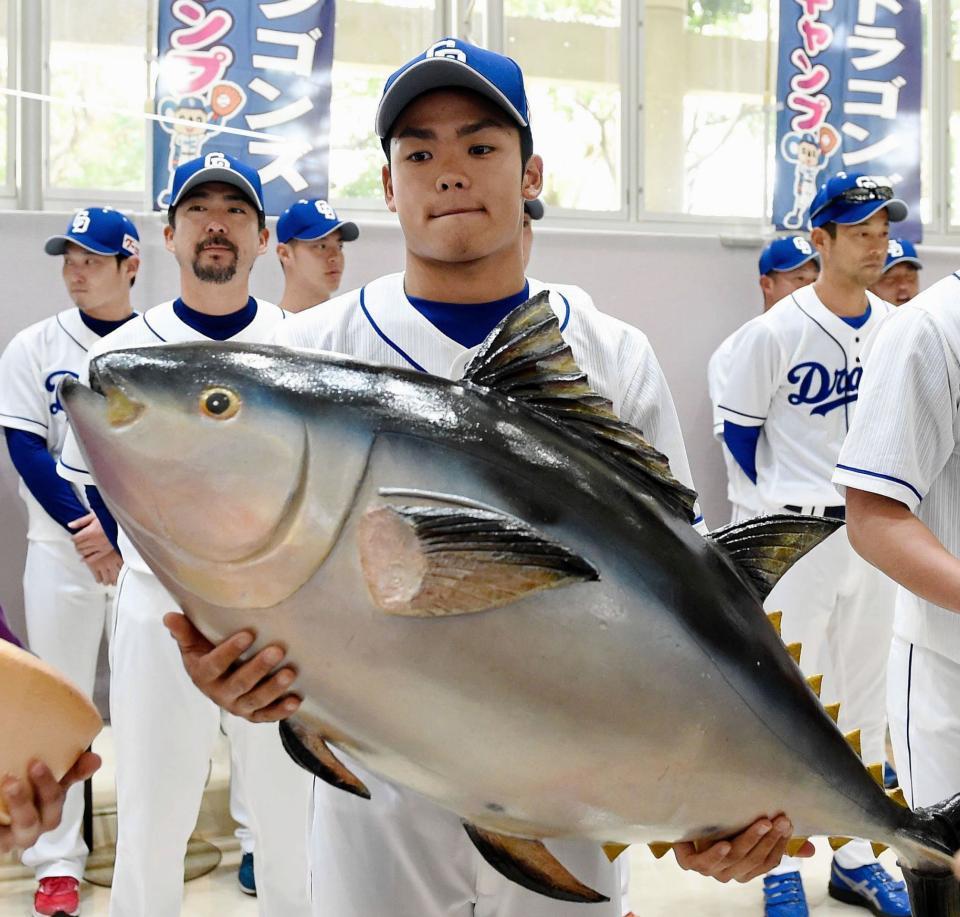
(122,410)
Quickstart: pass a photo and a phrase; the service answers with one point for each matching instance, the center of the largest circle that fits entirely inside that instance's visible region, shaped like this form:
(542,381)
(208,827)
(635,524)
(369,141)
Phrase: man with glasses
(787,405)
(785,265)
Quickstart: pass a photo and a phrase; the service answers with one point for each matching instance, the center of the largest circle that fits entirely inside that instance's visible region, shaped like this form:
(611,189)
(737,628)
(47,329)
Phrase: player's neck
(483,280)
(114,311)
(298,297)
(842,295)
(214,298)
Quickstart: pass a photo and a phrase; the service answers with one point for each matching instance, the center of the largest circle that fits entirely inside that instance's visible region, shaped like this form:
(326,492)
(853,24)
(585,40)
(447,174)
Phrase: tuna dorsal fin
(526,357)
(528,863)
(764,549)
(433,561)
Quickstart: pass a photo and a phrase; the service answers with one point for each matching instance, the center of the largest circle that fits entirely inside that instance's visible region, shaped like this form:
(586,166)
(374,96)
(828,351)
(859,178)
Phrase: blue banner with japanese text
(849,84)
(250,78)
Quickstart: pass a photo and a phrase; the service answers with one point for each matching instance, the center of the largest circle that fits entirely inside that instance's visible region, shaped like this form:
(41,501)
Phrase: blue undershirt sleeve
(107,522)
(742,443)
(38,468)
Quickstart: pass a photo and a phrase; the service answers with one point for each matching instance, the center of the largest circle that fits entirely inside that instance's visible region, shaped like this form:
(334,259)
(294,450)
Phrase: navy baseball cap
(853,198)
(451,62)
(217,167)
(787,254)
(534,209)
(101,230)
(901,251)
(313,219)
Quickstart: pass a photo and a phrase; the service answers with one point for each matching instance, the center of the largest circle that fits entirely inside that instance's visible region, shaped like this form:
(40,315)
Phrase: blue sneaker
(246,877)
(890,780)
(783,896)
(869,886)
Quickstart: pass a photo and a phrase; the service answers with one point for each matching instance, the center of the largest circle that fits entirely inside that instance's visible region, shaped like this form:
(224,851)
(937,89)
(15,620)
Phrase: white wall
(687,293)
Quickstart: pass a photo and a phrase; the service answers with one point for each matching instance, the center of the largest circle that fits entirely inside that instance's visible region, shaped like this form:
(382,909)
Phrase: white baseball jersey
(159,325)
(797,374)
(30,369)
(377,323)
(904,441)
(741,491)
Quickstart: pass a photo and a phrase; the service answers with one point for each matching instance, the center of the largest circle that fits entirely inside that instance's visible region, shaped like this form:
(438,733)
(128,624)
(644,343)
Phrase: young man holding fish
(164,729)
(454,125)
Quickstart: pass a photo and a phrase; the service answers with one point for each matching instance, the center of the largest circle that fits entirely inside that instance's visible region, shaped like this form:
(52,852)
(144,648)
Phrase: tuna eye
(219,403)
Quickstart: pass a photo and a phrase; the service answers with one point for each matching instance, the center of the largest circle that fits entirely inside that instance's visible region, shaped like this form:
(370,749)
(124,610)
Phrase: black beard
(215,273)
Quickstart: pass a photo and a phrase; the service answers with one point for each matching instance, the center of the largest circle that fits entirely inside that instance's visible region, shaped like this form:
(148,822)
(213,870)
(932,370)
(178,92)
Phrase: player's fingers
(707,862)
(81,521)
(280,710)
(83,768)
(24,818)
(251,675)
(48,795)
(266,693)
(757,850)
(188,638)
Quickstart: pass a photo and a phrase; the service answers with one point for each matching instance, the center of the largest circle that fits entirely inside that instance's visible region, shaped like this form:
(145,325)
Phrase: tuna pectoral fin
(311,752)
(429,561)
(764,549)
(530,864)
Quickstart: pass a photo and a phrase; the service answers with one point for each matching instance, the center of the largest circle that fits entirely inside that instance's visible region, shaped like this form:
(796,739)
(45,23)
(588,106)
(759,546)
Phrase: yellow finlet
(837,842)
(614,850)
(898,797)
(878,848)
(794,845)
(876,771)
(853,740)
(833,711)
(816,683)
(659,849)
(775,617)
(794,650)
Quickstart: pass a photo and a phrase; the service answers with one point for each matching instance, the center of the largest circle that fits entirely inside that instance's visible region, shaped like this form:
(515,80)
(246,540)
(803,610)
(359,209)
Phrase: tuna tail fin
(932,894)
(926,845)
(764,549)
(526,357)
(528,863)
(310,751)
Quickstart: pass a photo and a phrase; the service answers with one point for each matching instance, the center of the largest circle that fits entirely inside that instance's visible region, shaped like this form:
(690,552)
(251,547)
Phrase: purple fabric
(6,633)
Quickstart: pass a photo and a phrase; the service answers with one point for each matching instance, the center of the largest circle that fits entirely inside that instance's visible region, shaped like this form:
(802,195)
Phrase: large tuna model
(492,593)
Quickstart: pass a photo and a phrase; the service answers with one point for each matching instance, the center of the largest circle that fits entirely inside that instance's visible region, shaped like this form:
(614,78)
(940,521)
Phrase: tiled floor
(658,888)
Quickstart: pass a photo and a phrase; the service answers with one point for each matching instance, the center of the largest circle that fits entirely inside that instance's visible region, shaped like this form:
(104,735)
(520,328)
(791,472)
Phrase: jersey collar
(165,324)
(73,327)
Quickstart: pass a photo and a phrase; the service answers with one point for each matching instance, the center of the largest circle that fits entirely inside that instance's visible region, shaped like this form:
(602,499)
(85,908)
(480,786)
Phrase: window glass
(4,100)
(98,56)
(570,54)
(373,38)
(954,65)
(707,134)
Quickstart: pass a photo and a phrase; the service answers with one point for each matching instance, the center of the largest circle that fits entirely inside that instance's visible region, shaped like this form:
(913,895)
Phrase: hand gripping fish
(492,593)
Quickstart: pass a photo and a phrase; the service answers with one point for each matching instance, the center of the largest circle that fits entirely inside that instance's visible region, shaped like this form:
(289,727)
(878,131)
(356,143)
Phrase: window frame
(27,144)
